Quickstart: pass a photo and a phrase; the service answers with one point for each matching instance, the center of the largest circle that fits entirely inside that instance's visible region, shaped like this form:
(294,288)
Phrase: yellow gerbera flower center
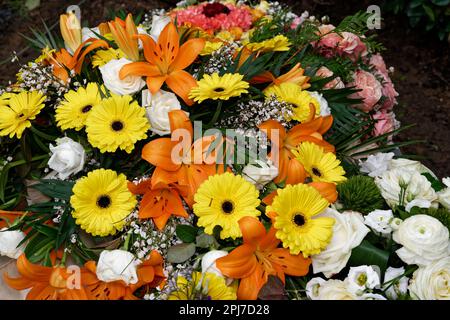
(117,125)
(227,207)
(104,201)
(299,219)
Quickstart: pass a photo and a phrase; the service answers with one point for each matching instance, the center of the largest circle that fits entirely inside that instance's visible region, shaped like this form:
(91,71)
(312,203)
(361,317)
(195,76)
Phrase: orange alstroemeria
(290,169)
(259,257)
(159,201)
(70,30)
(166,62)
(124,34)
(180,162)
(150,273)
(63,61)
(295,75)
(46,283)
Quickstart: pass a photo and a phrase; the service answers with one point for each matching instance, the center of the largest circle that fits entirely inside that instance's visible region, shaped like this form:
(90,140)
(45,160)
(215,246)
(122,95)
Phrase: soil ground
(422,63)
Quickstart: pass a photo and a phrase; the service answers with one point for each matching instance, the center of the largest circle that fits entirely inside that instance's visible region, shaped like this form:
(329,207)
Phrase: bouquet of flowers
(220,150)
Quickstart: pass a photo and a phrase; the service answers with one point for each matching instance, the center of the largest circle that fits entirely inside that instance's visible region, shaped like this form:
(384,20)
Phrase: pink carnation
(378,62)
(352,46)
(388,90)
(199,17)
(386,122)
(336,83)
(371,89)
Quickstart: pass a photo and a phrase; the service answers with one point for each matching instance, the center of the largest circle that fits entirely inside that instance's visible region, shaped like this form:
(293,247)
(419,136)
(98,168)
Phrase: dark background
(421,61)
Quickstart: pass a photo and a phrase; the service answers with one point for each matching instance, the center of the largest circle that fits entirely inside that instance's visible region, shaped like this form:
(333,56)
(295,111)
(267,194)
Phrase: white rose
(9,241)
(335,290)
(313,287)
(88,33)
(260,173)
(444,195)
(209,261)
(375,165)
(67,158)
(110,75)
(157,108)
(416,186)
(348,232)
(379,221)
(117,265)
(362,278)
(396,287)
(324,108)
(424,240)
(432,282)
(158,24)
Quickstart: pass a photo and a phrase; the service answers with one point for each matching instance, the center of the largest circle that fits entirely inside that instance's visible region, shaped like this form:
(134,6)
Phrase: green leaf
(367,254)
(205,241)
(32,4)
(55,188)
(435,183)
(180,253)
(186,233)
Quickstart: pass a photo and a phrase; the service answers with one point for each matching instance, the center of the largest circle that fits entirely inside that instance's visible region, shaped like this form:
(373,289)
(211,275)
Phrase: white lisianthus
(313,287)
(432,282)
(260,173)
(379,221)
(444,195)
(348,232)
(375,165)
(362,278)
(157,108)
(209,261)
(424,240)
(324,108)
(395,287)
(335,290)
(158,24)
(68,157)
(117,265)
(110,74)
(415,186)
(395,223)
(9,243)
(420,203)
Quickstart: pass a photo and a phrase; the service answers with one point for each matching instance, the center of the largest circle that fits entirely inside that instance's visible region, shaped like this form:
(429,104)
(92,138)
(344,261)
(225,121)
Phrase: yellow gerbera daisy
(102,57)
(101,202)
(293,94)
(297,224)
(117,122)
(210,47)
(223,200)
(16,111)
(278,43)
(76,106)
(321,166)
(216,87)
(203,286)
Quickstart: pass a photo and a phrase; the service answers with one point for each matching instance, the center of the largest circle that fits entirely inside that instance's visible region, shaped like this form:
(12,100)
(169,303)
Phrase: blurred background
(414,32)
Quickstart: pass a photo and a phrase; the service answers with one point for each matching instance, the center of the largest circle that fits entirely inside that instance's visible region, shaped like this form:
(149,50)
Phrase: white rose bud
(157,108)
(209,261)
(110,74)
(375,165)
(432,282)
(158,24)
(379,221)
(362,278)
(395,287)
(444,195)
(424,240)
(67,157)
(348,233)
(117,265)
(395,223)
(260,173)
(9,242)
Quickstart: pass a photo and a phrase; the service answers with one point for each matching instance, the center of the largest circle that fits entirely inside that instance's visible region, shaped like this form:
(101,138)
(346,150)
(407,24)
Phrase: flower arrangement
(221,150)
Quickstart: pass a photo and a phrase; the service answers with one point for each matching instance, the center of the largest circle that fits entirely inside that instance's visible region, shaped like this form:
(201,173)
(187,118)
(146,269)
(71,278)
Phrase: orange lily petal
(139,69)
(274,131)
(327,190)
(189,51)
(252,230)
(295,172)
(239,263)
(292,265)
(159,153)
(181,84)
(249,287)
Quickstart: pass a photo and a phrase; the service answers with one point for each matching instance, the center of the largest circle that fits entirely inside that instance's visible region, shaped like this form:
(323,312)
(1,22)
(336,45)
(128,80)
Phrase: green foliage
(429,15)
(45,38)
(356,23)
(360,193)
(367,254)
(186,233)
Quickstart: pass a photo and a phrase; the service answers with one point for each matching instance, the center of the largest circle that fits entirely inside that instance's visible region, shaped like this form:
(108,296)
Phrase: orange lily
(150,273)
(290,169)
(63,61)
(70,30)
(7,217)
(124,34)
(259,257)
(46,283)
(159,201)
(295,75)
(187,171)
(166,62)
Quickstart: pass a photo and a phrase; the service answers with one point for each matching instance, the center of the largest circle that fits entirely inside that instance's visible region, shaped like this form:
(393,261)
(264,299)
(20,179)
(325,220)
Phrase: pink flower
(386,122)
(378,62)
(388,90)
(336,83)
(344,44)
(352,46)
(371,89)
